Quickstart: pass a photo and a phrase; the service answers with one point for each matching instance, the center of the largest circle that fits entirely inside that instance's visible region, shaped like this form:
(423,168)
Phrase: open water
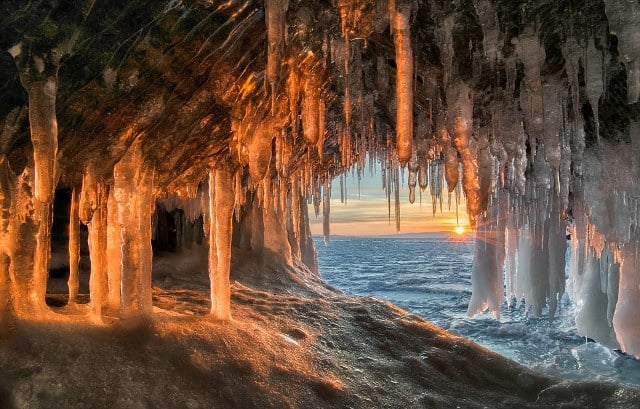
(431,276)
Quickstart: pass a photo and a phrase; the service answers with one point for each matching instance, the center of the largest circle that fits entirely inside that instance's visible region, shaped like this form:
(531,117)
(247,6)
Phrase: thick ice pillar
(114,245)
(98,252)
(275,235)
(404,82)
(591,320)
(74,245)
(133,184)
(6,244)
(625,318)
(44,138)
(221,203)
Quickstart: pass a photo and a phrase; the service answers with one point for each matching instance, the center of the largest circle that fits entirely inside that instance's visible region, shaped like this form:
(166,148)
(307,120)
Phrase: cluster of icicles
(525,173)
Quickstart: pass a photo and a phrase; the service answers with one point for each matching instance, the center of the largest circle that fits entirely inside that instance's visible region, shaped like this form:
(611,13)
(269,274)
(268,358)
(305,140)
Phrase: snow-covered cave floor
(293,342)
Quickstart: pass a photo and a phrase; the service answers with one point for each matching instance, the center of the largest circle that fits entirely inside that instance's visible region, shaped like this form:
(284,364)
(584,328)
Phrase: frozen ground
(293,342)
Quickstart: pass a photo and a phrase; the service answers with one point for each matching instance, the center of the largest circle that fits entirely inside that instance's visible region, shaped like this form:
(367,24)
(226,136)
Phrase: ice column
(6,238)
(132,185)
(625,318)
(44,138)
(404,83)
(74,245)
(98,251)
(488,261)
(221,203)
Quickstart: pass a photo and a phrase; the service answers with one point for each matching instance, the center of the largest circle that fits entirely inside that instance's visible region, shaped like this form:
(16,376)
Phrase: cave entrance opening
(58,282)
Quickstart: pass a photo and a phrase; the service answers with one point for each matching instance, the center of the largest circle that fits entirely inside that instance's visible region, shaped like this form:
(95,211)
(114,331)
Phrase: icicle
(450,159)
(557,245)
(488,20)
(444,36)
(624,20)
(275,18)
(326,210)
(413,170)
(311,109)
(591,319)
(404,83)
(486,276)
(532,55)
(221,203)
(321,128)
(396,192)
(460,126)
(423,174)
(260,150)
(594,81)
(571,53)
(74,245)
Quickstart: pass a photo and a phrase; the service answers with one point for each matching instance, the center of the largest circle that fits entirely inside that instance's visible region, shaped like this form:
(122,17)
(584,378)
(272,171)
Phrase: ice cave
(159,160)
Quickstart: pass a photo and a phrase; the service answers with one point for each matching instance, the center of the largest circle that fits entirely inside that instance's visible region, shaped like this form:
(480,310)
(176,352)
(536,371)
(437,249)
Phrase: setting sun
(459,230)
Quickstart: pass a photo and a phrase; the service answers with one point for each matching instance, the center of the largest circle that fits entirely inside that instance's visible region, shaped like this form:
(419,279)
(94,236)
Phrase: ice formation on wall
(536,124)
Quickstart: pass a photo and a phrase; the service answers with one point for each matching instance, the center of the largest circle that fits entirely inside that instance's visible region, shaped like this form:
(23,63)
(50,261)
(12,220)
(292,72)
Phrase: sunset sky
(368,214)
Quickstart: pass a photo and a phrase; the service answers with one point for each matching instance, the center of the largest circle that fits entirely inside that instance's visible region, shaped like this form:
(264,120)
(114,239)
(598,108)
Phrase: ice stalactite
(444,36)
(413,171)
(594,81)
(326,211)
(451,168)
(624,20)
(74,245)
(275,238)
(591,319)
(404,82)
(275,18)
(511,256)
(557,244)
(532,55)
(627,311)
(486,276)
(572,52)
(221,204)
(488,19)
(460,126)
(311,109)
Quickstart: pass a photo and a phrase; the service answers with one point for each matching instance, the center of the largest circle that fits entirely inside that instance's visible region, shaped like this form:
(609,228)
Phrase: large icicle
(404,83)
(221,203)
(624,20)
(625,318)
(275,17)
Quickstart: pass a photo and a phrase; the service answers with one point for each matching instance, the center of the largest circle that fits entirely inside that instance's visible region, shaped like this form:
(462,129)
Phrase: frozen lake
(431,276)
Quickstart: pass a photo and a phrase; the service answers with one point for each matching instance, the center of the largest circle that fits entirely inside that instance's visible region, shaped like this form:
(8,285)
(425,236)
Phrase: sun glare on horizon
(460,230)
